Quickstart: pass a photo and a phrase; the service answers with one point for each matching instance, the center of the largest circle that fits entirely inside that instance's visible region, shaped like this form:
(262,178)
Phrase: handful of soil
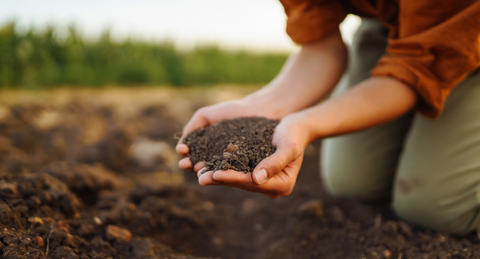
(239,144)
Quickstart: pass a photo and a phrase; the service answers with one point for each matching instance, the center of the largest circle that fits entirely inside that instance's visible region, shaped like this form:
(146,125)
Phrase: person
(395,132)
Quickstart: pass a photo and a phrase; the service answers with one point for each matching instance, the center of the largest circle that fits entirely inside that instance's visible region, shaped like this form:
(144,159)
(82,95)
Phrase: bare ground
(92,174)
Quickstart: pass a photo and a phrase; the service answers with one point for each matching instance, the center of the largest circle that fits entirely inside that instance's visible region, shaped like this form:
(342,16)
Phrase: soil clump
(238,144)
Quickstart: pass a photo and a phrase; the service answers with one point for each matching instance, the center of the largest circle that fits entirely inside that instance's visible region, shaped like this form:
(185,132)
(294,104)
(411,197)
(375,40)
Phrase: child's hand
(276,175)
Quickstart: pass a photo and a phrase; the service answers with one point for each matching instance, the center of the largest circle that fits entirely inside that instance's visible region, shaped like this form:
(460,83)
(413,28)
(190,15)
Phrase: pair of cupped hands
(276,175)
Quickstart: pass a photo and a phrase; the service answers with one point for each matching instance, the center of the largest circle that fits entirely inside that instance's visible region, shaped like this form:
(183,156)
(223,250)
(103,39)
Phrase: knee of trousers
(422,207)
(348,181)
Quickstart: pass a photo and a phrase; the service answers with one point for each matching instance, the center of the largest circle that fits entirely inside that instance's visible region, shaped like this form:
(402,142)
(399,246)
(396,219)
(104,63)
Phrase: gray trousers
(430,168)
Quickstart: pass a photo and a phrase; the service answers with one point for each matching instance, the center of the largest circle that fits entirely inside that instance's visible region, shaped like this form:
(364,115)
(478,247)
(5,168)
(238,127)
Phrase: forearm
(306,77)
(372,102)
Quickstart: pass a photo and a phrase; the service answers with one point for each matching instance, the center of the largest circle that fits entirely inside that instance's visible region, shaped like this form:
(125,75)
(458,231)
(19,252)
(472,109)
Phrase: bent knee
(348,170)
(352,183)
(430,212)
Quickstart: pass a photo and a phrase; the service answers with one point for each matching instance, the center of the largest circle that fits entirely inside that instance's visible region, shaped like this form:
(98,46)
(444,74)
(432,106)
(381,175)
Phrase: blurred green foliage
(40,59)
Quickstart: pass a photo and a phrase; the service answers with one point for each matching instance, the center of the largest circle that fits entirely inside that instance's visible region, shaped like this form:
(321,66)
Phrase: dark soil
(238,144)
(128,199)
(77,189)
(41,217)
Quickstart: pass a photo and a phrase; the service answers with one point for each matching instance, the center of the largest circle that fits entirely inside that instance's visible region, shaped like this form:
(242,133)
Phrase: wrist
(302,123)
(263,104)
(317,122)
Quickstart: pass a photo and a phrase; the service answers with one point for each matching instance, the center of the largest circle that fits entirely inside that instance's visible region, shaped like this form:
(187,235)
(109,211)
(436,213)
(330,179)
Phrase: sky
(247,24)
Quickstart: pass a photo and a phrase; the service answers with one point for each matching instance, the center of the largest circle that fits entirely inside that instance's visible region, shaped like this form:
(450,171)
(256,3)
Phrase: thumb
(273,164)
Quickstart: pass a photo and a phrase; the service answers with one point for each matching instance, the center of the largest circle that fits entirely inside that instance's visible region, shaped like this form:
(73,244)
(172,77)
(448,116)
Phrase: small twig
(241,163)
(176,135)
(48,240)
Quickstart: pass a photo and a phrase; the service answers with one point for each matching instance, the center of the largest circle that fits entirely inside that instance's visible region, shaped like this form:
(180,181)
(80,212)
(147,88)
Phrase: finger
(232,177)
(201,171)
(198,166)
(207,179)
(185,164)
(272,196)
(273,164)
(198,120)
(182,149)
(244,182)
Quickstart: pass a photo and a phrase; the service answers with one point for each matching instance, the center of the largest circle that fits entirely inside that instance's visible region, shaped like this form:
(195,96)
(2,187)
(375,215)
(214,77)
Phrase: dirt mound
(81,178)
(238,144)
(111,151)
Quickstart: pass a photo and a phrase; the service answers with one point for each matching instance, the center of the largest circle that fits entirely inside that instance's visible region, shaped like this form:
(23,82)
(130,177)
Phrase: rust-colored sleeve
(435,46)
(311,20)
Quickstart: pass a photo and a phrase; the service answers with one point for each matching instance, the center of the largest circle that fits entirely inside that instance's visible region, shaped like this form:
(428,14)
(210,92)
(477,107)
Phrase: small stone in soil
(35,220)
(311,209)
(117,233)
(40,241)
(387,253)
(97,220)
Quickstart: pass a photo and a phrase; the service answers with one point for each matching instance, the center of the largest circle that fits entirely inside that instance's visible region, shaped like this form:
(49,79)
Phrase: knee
(347,182)
(428,211)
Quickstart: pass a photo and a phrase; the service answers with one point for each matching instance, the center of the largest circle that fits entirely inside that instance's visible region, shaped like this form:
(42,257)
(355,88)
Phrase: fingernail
(200,180)
(180,163)
(261,176)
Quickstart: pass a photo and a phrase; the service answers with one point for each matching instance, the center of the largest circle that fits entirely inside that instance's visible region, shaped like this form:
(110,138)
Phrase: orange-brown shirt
(432,45)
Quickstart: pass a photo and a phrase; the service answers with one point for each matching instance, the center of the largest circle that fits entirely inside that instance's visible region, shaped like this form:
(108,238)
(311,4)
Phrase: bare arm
(306,77)
(372,102)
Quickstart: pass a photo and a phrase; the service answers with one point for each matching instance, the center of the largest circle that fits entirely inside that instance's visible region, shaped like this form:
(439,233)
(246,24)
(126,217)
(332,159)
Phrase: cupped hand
(276,175)
(210,115)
